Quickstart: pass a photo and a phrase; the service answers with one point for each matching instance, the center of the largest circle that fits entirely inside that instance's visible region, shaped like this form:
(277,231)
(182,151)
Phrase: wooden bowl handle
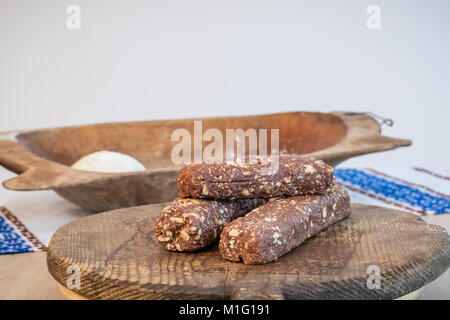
(34,172)
(22,160)
(363,137)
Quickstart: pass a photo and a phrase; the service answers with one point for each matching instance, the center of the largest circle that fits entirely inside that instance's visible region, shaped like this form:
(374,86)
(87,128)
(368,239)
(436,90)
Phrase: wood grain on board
(119,258)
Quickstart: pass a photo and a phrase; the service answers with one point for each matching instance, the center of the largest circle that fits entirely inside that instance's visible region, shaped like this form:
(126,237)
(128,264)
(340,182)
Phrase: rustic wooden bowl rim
(32,168)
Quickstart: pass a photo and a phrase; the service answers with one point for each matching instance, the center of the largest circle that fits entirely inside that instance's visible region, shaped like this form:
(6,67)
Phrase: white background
(141,60)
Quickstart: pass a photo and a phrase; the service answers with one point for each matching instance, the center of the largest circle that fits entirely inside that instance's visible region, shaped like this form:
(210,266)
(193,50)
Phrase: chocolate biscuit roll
(273,229)
(191,224)
(295,176)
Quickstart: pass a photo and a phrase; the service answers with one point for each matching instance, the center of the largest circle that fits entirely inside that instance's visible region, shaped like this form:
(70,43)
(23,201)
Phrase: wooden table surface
(25,276)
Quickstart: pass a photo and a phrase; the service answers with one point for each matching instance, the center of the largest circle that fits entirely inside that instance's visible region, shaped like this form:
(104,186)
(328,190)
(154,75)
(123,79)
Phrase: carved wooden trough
(42,158)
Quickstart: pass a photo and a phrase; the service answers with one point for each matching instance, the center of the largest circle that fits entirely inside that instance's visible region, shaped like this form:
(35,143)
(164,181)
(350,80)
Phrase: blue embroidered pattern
(10,240)
(394,191)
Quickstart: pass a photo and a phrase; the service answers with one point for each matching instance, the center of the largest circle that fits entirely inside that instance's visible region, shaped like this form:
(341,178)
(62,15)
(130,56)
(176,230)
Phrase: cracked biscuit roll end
(192,224)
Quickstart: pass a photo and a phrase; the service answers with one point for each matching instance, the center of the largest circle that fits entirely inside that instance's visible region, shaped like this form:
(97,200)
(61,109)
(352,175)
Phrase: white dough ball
(108,161)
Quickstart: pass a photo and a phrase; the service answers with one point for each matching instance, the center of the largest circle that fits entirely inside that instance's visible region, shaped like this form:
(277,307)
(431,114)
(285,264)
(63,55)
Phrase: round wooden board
(119,258)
